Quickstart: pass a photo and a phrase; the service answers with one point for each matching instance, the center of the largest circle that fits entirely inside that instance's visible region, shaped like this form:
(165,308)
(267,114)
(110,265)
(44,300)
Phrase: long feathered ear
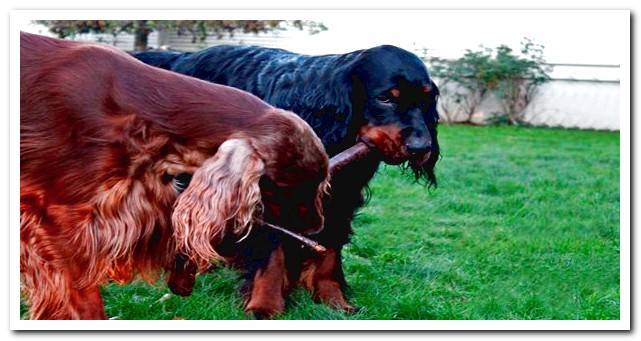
(432,122)
(223,197)
(432,111)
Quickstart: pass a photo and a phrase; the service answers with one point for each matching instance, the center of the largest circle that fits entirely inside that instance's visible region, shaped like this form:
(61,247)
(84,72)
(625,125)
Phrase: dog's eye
(181,181)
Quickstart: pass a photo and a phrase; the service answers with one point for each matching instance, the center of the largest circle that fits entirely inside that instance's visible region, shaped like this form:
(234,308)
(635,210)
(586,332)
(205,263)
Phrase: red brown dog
(107,145)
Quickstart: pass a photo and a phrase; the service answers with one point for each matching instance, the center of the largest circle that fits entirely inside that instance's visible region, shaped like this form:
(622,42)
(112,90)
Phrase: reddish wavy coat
(101,136)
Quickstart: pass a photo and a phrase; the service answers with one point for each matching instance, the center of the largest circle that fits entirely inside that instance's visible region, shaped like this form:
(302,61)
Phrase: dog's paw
(263,309)
(339,303)
(346,308)
(329,292)
(264,313)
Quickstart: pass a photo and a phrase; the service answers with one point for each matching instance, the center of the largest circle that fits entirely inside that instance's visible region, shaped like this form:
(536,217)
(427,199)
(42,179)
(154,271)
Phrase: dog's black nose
(418,145)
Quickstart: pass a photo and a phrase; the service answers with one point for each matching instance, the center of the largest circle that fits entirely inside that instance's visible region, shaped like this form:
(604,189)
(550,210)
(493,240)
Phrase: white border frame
(18,17)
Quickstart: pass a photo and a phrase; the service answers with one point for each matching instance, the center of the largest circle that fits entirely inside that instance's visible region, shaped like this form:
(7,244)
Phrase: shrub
(512,78)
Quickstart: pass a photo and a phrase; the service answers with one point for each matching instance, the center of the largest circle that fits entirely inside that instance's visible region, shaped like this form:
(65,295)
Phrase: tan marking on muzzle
(387,139)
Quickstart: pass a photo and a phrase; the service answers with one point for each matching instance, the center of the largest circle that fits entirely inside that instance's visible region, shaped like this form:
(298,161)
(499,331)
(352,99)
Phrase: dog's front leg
(269,284)
(323,277)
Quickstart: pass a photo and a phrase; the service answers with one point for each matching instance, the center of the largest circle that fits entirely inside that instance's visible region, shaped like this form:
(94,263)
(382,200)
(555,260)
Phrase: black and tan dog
(383,96)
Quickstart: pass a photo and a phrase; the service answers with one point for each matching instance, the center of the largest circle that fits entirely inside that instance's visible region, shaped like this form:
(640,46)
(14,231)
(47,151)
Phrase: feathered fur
(223,196)
(103,140)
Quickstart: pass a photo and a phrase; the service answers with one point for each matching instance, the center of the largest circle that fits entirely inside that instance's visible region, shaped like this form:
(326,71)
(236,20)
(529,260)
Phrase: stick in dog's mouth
(348,156)
(314,245)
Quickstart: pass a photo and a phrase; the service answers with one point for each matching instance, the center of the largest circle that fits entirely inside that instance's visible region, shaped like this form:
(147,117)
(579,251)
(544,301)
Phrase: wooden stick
(314,245)
(356,152)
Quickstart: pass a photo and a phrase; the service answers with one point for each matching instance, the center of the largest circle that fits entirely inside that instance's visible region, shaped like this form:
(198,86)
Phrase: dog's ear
(322,194)
(223,197)
(432,110)
(431,119)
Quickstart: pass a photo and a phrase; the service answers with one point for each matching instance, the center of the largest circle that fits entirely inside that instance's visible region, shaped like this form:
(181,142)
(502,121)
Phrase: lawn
(524,225)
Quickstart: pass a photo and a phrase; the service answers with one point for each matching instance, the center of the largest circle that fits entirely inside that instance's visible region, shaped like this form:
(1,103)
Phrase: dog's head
(280,179)
(395,96)
(296,176)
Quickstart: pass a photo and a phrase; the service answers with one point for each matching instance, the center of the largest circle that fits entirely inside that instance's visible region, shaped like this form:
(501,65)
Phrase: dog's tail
(159,58)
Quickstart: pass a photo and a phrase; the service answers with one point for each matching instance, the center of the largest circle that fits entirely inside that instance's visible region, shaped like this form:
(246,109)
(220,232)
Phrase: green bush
(512,78)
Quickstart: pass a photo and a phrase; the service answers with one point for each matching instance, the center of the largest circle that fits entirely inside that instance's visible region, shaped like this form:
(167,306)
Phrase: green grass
(524,225)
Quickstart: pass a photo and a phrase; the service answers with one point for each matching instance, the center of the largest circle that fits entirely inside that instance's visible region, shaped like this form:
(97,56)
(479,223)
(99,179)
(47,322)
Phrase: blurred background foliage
(198,29)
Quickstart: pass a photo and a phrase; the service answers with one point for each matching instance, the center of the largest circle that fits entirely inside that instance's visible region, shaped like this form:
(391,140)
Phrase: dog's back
(251,68)
(317,88)
(160,58)
(74,105)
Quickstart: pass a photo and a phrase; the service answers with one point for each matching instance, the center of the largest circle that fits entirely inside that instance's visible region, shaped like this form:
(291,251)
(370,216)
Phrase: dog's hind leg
(51,292)
(87,304)
(48,283)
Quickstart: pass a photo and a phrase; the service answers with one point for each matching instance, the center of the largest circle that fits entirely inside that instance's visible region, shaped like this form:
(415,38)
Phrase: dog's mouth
(182,276)
(385,144)
(393,152)
(419,160)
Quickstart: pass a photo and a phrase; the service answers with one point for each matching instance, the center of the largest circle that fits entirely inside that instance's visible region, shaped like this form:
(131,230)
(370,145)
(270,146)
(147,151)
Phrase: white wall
(577,96)
(576,104)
